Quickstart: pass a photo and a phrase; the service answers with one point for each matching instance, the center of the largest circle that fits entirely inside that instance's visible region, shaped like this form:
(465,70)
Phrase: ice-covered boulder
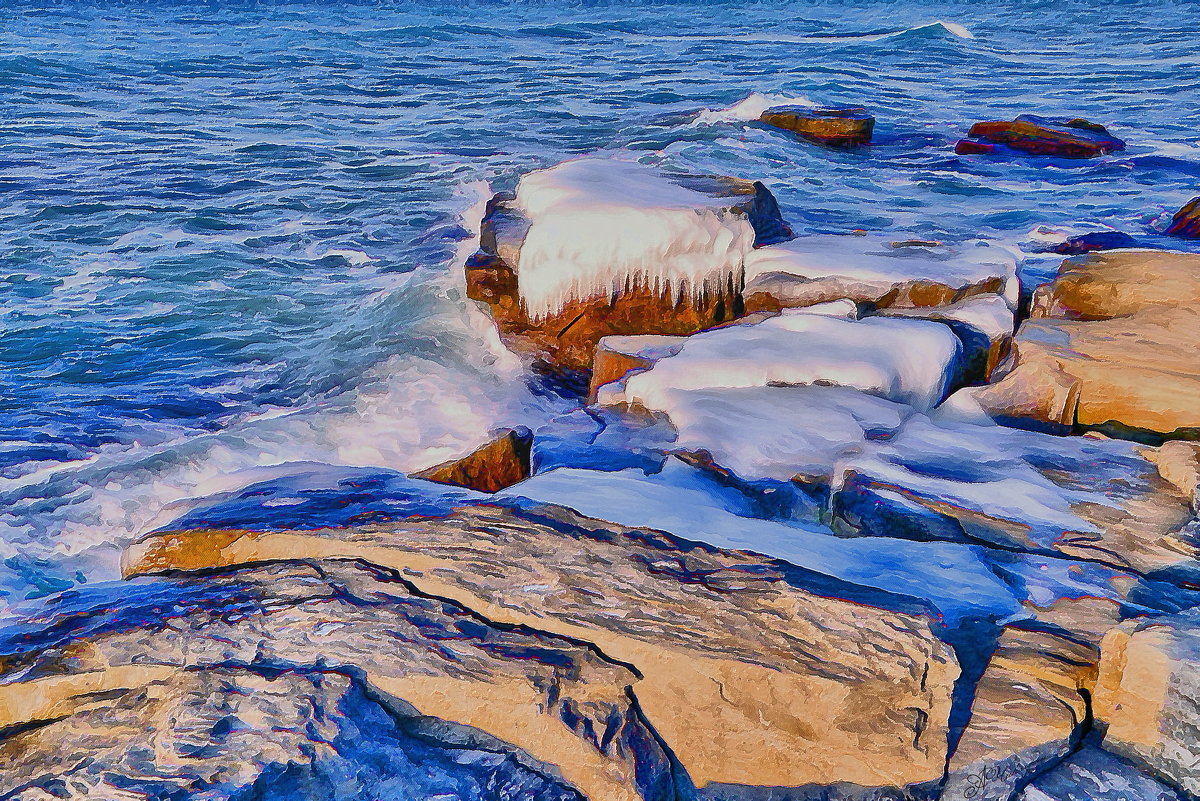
(597,246)
(311,679)
(742,661)
(1111,342)
(871,270)
(984,324)
(909,361)
(1071,138)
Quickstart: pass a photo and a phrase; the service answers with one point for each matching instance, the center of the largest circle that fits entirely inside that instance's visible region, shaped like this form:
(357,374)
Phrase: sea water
(231,236)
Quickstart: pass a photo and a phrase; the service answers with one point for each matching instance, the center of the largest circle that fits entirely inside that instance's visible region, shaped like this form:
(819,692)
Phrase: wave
(749,108)
(936,29)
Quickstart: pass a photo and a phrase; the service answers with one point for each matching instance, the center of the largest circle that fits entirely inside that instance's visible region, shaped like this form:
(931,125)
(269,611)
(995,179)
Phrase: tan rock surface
(741,670)
(499,464)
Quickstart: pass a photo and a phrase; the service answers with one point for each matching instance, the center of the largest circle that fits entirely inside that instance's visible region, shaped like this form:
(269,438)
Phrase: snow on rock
(686,502)
(984,323)
(598,224)
(910,361)
(812,269)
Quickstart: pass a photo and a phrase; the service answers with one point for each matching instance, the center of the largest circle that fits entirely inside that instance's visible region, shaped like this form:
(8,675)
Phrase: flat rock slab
(744,661)
(1041,136)
(272,676)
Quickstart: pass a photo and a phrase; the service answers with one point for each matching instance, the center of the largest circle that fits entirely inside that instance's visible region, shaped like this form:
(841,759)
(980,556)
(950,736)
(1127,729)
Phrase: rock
(873,272)
(1186,222)
(835,127)
(595,247)
(1178,462)
(1147,700)
(743,661)
(501,463)
(618,356)
(983,323)
(911,361)
(1092,774)
(1041,136)
(273,678)
(1110,344)
(1096,240)
(1029,709)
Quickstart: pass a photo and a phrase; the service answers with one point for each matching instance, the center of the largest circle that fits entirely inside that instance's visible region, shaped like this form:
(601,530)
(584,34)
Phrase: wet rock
(1040,136)
(1029,709)
(595,247)
(1186,222)
(500,463)
(874,272)
(1096,240)
(1147,700)
(1109,344)
(744,662)
(835,127)
(326,679)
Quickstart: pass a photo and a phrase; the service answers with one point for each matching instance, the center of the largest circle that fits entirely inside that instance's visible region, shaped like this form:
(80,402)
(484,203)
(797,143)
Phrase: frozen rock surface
(871,270)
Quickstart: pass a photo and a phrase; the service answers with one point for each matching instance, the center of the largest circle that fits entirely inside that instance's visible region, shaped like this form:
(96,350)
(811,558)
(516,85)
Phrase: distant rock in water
(835,127)
(1040,136)
(594,247)
(1186,222)
(1096,240)
(500,463)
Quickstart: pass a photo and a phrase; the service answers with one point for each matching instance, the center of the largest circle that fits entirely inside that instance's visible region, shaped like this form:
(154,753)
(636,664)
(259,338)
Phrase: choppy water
(227,235)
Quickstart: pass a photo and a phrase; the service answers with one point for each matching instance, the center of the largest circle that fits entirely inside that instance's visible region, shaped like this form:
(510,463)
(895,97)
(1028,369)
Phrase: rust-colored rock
(1186,222)
(501,463)
(1041,136)
(835,127)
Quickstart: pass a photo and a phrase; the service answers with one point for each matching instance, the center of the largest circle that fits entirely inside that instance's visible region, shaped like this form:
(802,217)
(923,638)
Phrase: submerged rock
(743,661)
(594,247)
(1096,240)
(500,463)
(835,127)
(330,679)
(1041,136)
(1110,342)
(1186,222)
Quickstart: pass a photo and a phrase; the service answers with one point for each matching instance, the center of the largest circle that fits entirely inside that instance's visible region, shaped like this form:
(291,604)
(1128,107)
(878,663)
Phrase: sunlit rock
(1041,136)
(835,127)
(500,463)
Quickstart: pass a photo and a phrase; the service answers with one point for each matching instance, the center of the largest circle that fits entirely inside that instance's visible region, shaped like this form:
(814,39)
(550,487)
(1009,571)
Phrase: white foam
(600,224)
(749,108)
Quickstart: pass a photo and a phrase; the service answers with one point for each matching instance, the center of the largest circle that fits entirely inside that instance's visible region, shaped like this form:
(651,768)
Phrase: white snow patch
(598,224)
(902,360)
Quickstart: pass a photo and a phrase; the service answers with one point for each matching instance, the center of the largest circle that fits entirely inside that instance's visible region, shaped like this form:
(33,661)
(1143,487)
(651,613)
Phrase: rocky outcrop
(1040,136)
(1147,700)
(874,272)
(1110,343)
(743,662)
(500,463)
(1029,710)
(325,679)
(663,255)
(834,127)
(1186,222)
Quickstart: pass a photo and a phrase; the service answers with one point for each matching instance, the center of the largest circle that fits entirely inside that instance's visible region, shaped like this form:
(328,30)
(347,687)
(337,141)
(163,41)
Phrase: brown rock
(1147,699)
(501,463)
(835,127)
(1186,222)
(1114,336)
(616,357)
(741,667)
(1040,136)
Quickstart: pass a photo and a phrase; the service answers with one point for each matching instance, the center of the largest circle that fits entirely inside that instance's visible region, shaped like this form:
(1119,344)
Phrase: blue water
(228,235)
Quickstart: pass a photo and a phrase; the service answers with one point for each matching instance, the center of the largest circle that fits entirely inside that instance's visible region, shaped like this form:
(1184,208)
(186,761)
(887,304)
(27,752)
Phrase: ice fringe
(598,226)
